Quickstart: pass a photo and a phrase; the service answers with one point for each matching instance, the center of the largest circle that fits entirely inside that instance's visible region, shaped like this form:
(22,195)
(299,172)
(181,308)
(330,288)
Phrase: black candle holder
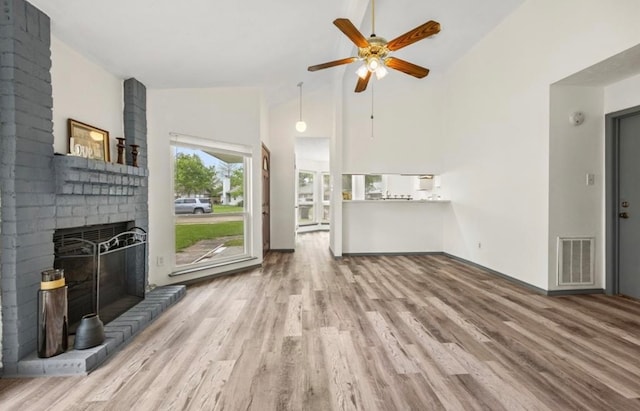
(121,147)
(134,154)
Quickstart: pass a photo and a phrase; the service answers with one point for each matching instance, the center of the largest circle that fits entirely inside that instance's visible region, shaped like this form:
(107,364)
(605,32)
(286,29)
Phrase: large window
(211,199)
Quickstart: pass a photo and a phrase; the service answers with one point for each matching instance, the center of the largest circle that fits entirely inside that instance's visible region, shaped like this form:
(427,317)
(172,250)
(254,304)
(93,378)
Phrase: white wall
(407,126)
(335,164)
(623,94)
(85,92)
(497,127)
(407,138)
(229,115)
(312,165)
(575,208)
(318,114)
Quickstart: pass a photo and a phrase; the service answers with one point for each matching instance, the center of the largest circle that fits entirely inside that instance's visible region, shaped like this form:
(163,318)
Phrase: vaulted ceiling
(257,43)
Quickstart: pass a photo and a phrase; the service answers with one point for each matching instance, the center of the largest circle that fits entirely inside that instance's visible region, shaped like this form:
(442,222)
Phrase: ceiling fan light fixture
(381,72)
(374,51)
(362,71)
(373,63)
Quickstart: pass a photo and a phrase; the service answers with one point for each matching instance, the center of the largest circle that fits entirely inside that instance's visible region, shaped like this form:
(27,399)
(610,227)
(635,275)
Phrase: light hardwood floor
(307,332)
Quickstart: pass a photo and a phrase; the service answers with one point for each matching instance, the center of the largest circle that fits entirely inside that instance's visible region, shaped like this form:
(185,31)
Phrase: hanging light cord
(373,17)
(300,86)
(372,111)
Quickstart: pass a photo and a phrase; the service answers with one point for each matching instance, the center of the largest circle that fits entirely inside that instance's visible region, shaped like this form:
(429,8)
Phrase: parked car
(185,205)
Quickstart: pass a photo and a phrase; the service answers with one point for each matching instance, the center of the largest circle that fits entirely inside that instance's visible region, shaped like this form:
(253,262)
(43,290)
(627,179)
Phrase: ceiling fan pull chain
(300,87)
(372,111)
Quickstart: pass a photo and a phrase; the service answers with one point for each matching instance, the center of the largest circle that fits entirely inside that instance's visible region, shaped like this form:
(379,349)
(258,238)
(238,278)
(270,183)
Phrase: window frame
(312,202)
(246,152)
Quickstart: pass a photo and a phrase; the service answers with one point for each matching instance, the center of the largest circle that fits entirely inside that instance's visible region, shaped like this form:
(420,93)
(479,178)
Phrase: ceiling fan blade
(362,83)
(421,32)
(332,64)
(352,32)
(406,67)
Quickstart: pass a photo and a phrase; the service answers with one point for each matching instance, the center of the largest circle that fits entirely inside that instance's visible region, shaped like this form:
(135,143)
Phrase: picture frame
(88,141)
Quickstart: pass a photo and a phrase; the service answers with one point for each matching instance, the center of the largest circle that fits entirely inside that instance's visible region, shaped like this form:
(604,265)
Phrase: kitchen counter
(393,226)
(396,200)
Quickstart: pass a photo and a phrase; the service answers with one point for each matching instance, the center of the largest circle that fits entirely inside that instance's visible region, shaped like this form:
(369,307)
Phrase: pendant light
(301,126)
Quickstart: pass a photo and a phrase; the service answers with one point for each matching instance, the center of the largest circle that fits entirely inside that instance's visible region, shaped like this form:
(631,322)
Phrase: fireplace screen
(104,268)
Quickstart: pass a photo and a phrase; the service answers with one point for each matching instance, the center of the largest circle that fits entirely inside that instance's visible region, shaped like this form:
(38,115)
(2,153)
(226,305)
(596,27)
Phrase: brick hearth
(118,333)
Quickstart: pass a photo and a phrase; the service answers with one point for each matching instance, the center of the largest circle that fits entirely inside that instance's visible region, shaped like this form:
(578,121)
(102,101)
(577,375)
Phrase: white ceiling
(257,43)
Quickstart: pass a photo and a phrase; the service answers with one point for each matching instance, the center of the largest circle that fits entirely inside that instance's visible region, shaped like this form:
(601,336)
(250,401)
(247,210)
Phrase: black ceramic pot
(89,333)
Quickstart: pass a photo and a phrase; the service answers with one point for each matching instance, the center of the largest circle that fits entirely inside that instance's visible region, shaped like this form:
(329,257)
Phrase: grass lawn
(189,234)
(221,208)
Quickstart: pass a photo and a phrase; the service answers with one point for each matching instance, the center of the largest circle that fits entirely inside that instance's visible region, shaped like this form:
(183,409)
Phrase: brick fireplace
(41,192)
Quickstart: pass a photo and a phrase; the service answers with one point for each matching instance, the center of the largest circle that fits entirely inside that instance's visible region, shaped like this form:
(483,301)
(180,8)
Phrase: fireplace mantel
(83,176)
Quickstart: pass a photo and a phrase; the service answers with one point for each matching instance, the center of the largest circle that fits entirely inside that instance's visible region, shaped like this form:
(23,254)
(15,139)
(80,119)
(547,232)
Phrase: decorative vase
(134,154)
(52,314)
(90,332)
(121,147)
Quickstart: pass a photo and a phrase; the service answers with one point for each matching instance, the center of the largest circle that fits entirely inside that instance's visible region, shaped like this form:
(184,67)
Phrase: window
(390,186)
(211,203)
(306,198)
(326,198)
(373,187)
(347,184)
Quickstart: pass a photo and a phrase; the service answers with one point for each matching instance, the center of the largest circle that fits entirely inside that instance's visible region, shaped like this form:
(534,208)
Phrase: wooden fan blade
(332,64)
(406,67)
(362,83)
(421,32)
(352,32)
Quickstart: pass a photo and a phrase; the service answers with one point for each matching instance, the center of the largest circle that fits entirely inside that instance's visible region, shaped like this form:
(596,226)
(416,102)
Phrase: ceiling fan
(374,52)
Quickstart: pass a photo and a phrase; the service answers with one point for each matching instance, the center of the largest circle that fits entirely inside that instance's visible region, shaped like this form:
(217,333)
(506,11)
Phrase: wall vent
(576,260)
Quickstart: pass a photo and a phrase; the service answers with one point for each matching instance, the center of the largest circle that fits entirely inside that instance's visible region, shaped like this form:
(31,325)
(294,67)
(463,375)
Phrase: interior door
(629,206)
(266,200)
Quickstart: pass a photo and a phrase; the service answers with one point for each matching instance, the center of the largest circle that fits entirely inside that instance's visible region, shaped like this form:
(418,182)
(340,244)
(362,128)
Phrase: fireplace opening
(104,267)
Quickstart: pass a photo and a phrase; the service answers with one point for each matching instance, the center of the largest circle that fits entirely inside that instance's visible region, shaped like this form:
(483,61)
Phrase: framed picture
(88,141)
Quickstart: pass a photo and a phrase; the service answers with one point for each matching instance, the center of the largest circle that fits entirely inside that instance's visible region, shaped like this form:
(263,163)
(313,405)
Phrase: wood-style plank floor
(307,332)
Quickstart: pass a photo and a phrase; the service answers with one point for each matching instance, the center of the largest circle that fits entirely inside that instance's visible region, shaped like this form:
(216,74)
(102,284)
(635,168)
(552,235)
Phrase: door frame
(266,195)
(612,197)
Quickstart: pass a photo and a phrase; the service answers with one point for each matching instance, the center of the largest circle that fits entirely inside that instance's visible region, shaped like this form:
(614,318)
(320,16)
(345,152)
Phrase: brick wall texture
(26,151)
(41,192)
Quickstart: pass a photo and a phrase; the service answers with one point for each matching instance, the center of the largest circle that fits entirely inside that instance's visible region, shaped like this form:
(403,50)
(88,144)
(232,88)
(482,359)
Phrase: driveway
(206,250)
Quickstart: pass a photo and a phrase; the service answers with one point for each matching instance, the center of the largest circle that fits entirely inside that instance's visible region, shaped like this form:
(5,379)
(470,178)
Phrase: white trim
(201,142)
(207,145)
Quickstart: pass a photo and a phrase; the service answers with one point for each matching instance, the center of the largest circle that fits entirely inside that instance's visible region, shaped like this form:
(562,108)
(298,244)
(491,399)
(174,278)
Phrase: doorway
(312,189)
(623,202)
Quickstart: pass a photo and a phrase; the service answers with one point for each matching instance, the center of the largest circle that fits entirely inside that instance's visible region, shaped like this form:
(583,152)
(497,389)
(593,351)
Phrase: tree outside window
(193,178)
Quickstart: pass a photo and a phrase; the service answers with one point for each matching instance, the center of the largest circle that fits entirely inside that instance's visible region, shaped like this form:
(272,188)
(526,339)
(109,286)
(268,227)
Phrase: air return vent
(576,261)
